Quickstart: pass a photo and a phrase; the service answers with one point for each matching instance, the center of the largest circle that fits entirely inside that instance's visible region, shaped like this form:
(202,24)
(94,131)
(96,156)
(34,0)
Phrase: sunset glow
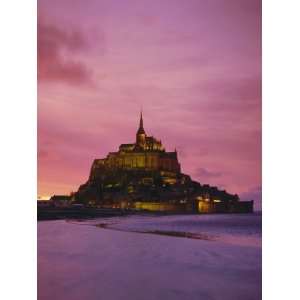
(194,67)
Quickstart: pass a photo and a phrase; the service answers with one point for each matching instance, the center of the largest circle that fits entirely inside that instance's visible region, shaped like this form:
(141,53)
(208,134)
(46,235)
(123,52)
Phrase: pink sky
(194,67)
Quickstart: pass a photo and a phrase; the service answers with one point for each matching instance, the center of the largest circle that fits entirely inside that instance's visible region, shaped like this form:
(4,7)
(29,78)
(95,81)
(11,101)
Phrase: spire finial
(141,119)
(141,127)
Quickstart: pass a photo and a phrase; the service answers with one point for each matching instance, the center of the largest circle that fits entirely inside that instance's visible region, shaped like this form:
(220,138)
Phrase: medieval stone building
(143,175)
(146,153)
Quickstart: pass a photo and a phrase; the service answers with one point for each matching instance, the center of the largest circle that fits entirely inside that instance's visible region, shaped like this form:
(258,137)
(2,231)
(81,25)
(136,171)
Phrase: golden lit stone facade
(143,176)
(146,153)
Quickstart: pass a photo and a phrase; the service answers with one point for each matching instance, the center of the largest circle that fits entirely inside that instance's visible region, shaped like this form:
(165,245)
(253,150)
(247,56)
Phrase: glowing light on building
(44,197)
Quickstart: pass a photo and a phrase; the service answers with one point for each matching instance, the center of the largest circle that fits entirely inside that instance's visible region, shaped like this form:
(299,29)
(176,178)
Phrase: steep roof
(141,126)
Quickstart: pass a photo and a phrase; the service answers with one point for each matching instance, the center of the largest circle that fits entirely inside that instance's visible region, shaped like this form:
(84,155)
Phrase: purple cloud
(55,50)
(205,173)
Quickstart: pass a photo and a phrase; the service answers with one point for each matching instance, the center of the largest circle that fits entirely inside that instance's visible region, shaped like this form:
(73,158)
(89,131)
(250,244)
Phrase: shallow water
(77,260)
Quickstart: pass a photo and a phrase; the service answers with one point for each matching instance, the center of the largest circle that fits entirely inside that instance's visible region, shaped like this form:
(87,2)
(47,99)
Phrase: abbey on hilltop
(144,176)
(146,153)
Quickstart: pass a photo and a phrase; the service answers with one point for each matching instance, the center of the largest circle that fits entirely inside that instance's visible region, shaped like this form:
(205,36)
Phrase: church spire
(141,127)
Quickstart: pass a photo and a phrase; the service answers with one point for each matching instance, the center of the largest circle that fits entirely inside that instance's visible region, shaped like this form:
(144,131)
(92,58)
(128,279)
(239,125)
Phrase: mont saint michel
(148,151)
(143,175)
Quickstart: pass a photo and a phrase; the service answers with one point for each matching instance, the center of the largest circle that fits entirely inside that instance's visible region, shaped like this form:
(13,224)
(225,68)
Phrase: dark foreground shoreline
(65,213)
(53,213)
